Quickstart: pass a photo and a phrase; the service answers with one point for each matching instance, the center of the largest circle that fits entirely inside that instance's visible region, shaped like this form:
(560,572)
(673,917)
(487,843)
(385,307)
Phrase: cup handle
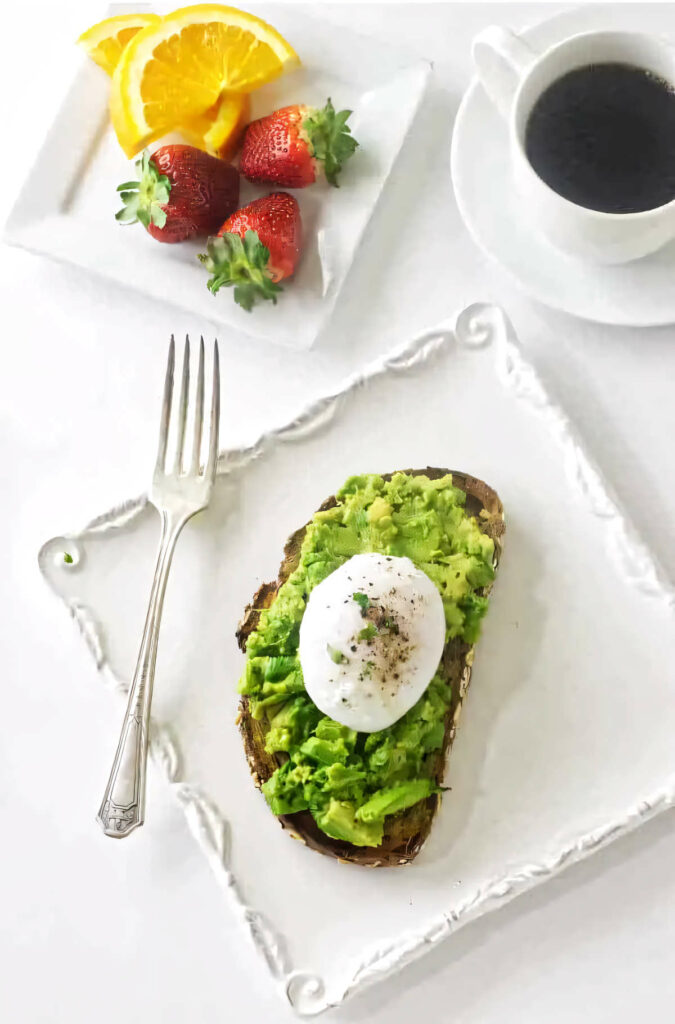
(501,60)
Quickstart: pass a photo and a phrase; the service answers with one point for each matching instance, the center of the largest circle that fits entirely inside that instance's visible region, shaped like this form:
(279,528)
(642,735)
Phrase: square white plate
(566,740)
(73,219)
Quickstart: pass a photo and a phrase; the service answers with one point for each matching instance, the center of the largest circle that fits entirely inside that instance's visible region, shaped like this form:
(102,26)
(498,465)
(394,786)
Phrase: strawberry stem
(330,138)
(242,264)
(144,200)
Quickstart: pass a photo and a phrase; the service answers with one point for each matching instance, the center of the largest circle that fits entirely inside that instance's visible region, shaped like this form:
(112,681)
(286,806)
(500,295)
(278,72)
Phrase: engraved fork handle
(123,806)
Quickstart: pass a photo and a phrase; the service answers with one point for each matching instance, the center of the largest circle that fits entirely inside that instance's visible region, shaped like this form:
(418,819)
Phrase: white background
(97,931)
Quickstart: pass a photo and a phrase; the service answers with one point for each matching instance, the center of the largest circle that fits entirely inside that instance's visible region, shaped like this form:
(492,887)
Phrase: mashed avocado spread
(351,781)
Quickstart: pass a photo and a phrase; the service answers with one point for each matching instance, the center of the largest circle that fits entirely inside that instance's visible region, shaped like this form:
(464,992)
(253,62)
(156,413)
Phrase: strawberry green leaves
(330,138)
(241,263)
(144,200)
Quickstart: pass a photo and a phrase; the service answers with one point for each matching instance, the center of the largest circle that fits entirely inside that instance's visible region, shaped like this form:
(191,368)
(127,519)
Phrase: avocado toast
(368,798)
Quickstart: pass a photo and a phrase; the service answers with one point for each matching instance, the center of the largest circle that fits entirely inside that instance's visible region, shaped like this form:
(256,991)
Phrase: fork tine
(166,408)
(199,413)
(182,407)
(215,417)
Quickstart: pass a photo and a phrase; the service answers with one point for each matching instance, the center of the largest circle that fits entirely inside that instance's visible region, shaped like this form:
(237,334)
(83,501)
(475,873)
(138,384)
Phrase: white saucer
(641,293)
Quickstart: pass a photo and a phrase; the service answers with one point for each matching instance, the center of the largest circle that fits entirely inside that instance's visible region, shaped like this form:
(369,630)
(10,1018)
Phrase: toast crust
(405,832)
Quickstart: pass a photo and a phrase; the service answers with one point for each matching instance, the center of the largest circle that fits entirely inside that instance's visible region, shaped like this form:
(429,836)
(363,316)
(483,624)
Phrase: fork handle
(123,806)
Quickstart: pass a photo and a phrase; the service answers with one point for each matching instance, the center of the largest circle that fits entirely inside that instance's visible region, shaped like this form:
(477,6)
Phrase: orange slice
(105,41)
(173,72)
(219,130)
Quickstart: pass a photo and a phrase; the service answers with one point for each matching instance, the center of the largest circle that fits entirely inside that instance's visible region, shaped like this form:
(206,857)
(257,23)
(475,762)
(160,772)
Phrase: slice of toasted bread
(405,832)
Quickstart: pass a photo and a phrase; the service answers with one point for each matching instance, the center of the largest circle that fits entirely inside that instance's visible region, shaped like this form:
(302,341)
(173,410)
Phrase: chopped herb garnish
(335,655)
(362,600)
(368,632)
(391,625)
(68,558)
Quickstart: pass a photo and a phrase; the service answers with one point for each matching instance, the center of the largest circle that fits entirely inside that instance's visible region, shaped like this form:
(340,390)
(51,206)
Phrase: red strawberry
(289,146)
(257,247)
(182,192)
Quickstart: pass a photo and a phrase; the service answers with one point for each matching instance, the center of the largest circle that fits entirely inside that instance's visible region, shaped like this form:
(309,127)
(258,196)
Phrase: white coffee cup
(514,77)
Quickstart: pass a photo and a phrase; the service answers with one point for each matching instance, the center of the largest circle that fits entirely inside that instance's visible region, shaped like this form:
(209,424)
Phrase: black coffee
(603,136)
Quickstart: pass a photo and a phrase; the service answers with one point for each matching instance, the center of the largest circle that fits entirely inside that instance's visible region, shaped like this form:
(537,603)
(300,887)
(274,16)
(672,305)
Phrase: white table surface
(137,931)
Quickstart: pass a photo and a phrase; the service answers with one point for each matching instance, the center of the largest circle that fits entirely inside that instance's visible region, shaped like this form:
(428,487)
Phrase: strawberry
(182,192)
(256,247)
(291,145)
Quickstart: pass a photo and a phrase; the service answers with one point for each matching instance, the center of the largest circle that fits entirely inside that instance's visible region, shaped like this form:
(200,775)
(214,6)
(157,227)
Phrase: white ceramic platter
(640,293)
(70,214)
(566,740)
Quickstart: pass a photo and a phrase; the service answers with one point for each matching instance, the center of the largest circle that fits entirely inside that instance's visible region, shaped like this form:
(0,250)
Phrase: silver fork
(180,489)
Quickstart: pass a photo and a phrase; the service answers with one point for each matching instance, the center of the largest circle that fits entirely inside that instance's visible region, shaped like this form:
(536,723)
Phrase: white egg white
(367,659)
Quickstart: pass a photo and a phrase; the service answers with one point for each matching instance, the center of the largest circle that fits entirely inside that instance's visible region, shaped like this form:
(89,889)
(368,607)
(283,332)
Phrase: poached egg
(371,639)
